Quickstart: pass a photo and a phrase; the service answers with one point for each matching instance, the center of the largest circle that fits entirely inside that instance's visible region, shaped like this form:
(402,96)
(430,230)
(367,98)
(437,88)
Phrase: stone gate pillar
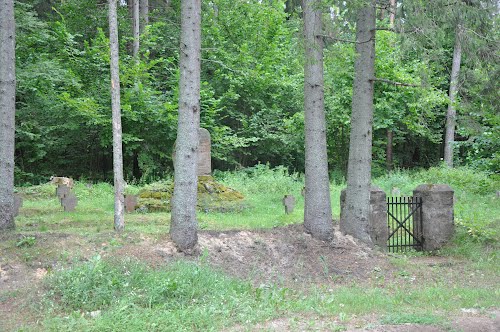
(437,214)
(378,229)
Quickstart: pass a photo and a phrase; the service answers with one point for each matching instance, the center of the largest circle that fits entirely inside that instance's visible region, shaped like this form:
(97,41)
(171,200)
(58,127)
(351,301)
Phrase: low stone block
(69,202)
(18,203)
(62,190)
(289,203)
(131,203)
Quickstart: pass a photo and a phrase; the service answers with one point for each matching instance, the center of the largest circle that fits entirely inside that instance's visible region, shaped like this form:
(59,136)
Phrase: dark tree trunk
(355,217)
(184,226)
(389,160)
(317,210)
(7,112)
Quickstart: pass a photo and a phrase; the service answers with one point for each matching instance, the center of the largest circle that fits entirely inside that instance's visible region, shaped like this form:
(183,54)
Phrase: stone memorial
(378,229)
(18,203)
(62,190)
(289,203)
(204,152)
(437,214)
(69,202)
(131,203)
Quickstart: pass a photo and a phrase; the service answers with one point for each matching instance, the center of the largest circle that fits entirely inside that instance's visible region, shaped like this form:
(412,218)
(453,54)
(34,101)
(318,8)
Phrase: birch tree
(355,217)
(184,226)
(317,211)
(7,112)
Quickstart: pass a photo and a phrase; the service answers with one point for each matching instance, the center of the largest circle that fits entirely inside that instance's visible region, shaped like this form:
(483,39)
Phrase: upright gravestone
(62,190)
(289,203)
(69,202)
(437,214)
(378,229)
(204,152)
(131,202)
(18,203)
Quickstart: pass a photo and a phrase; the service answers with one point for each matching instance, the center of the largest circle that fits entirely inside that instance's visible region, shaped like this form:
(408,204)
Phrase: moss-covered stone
(212,196)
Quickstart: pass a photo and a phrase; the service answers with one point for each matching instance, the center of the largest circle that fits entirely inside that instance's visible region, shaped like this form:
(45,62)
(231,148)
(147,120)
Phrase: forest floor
(283,256)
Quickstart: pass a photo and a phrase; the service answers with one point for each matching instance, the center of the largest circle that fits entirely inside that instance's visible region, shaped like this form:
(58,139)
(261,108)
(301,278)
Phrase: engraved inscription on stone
(62,190)
(18,203)
(204,154)
(69,202)
(289,203)
(130,203)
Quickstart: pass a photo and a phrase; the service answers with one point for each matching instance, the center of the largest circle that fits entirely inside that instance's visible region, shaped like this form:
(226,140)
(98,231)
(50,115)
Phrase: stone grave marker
(69,202)
(498,194)
(130,203)
(204,152)
(289,203)
(62,190)
(18,203)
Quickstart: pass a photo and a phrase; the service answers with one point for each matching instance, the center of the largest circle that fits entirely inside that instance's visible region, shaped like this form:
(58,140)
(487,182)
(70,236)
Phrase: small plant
(26,241)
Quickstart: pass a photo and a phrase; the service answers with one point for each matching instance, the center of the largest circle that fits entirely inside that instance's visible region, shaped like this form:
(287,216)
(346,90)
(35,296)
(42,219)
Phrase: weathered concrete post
(378,231)
(437,214)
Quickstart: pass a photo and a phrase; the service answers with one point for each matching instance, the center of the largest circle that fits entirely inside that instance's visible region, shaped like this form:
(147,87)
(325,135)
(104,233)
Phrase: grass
(128,295)
(192,297)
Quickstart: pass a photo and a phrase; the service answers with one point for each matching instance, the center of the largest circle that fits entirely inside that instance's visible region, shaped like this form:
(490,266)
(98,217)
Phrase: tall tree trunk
(144,8)
(117,120)
(388,154)
(451,114)
(135,27)
(390,133)
(317,211)
(7,112)
(392,12)
(355,217)
(184,226)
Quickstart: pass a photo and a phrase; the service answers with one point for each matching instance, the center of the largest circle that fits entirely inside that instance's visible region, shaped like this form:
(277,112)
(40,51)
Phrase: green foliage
(26,241)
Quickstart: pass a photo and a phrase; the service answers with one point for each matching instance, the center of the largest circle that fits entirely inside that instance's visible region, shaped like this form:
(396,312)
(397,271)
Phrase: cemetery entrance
(404,218)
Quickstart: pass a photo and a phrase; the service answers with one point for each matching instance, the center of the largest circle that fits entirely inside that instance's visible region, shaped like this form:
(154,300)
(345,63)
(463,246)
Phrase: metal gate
(404,218)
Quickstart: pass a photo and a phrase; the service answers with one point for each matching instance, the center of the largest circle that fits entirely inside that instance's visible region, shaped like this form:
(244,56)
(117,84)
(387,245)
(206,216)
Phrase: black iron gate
(404,218)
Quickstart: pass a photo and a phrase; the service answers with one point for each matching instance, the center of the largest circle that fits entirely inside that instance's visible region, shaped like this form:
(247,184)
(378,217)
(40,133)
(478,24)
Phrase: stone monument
(131,202)
(289,203)
(69,202)
(18,203)
(204,152)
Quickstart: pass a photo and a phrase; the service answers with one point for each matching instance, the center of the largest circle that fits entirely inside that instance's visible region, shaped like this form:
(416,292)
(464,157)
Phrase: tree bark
(317,211)
(388,155)
(390,133)
(7,112)
(117,121)
(355,217)
(184,226)
(392,12)
(135,27)
(144,9)
(451,114)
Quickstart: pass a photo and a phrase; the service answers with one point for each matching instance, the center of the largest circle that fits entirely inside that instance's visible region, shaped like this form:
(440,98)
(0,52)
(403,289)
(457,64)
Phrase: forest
(249,165)
(251,86)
